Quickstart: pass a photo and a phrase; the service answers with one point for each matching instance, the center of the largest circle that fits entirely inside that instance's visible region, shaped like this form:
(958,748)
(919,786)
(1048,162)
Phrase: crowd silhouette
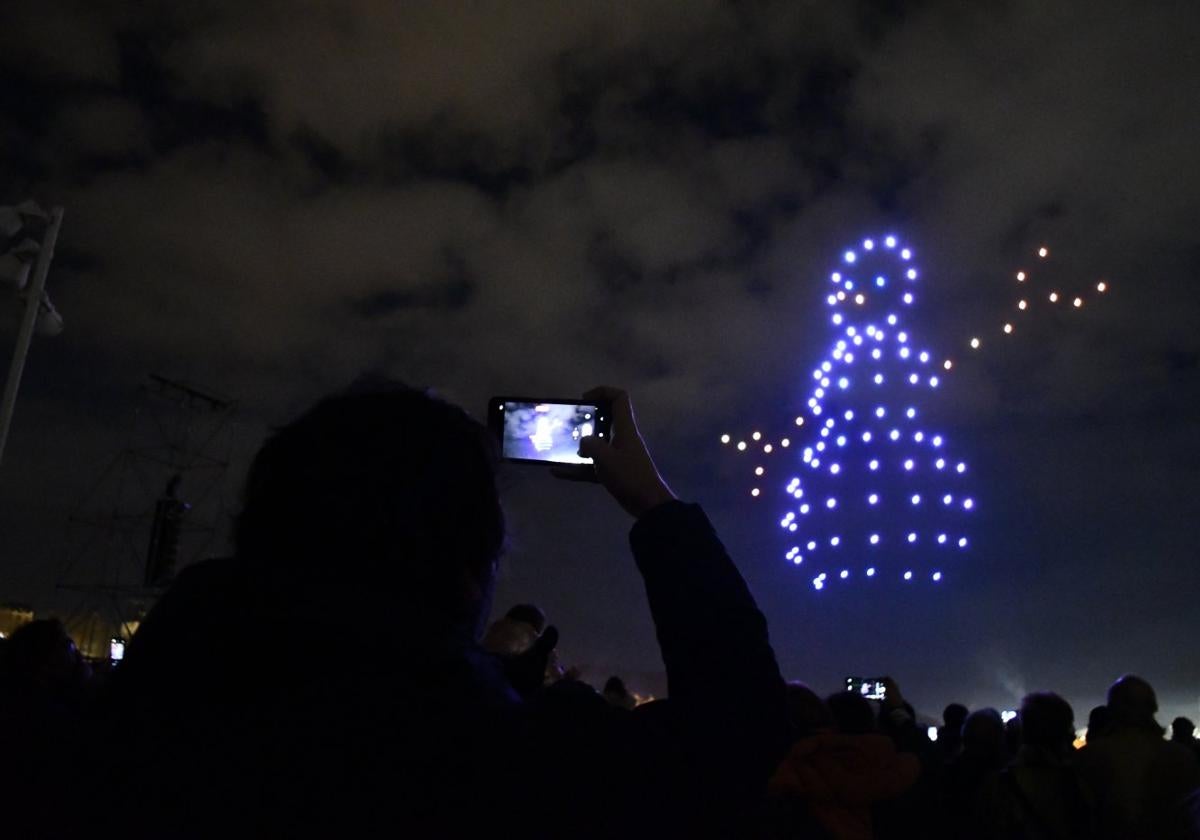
(244,706)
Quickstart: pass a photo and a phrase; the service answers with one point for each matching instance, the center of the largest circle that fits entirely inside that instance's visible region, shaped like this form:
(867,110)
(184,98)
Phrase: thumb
(595,448)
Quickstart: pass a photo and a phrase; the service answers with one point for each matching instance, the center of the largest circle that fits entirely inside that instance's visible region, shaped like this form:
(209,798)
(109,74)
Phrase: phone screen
(872,688)
(545,430)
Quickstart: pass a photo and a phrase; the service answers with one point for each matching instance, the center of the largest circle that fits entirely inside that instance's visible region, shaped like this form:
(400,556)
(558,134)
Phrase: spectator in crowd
(1141,781)
(1099,719)
(830,782)
(949,735)
(983,755)
(516,632)
(245,705)
(1040,795)
(1183,732)
(617,694)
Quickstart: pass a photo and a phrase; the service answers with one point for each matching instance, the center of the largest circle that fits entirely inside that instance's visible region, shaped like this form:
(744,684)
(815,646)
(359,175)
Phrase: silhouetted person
(1141,781)
(1183,732)
(329,681)
(830,781)
(949,740)
(617,694)
(516,632)
(983,755)
(1099,719)
(44,694)
(1040,795)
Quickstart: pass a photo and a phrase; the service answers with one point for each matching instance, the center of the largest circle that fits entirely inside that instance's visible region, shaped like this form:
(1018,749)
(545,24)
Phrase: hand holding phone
(546,431)
(622,462)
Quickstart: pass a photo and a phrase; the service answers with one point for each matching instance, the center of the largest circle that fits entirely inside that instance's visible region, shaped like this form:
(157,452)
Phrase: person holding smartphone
(328,679)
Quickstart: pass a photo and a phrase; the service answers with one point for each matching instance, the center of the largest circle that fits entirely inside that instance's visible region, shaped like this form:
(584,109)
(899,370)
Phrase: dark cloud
(489,197)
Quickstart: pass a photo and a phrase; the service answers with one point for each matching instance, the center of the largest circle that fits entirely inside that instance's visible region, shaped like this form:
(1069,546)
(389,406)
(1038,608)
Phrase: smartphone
(872,688)
(542,430)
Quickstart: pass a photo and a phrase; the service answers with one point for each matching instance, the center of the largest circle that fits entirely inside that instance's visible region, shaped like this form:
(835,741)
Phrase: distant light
(874,465)
(908,575)
(968,504)
(785,443)
(947,364)
(831,300)
(840,295)
(724,438)
(894,434)
(962,468)
(741,446)
(874,539)
(879,379)
(891,319)
(1102,287)
(912,274)
(890,241)
(792,527)
(868,245)
(916,498)
(1020,276)
(876,353)
(936,576)
(812,545)
(841,440)
(848,285)
(941,539)
(962,543)
(1078,302)
(873,498)
(866,437)
(808,453)
(116,649)
(1043,252)
(843,383)
(858,340)
(911,413)
(837,318)
(754,492)
(799,421)
(845,574)
(880,281)
(804,509)
(860,299)
(767,449)
(1008,329)
(756,436)
(937,440)
(834,469)
(933,381)
(974,343)
(849,415)
(835,541)
(850,257)
(940,463)
(913,378)
(1054,297)
(908,298)
(947,499)
(880,411)
(758,470)
(924,357)
(908,464)
(905,254)
(902,337)
(904,352)
(912,536)
(871,572)
(1022,305)
(831,503)
(798,559)
(818,583)
(931,732)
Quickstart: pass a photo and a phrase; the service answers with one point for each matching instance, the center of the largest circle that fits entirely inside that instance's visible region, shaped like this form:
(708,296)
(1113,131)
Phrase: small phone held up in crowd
(873,688)
(542,430)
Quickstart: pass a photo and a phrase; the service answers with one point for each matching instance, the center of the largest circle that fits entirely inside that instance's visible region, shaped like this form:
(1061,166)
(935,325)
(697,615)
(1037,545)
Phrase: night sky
(273,198)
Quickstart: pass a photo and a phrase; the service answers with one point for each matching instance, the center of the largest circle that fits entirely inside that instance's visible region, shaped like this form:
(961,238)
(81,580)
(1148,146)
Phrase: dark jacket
(252,706)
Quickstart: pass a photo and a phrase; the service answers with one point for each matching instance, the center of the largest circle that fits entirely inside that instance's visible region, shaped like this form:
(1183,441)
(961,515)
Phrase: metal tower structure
(159,506)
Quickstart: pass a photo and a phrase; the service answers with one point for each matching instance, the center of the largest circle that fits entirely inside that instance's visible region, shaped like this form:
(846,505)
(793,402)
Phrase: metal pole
(33,300)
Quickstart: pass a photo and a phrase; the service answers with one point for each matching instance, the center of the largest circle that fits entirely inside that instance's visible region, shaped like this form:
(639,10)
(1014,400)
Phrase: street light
(19,227)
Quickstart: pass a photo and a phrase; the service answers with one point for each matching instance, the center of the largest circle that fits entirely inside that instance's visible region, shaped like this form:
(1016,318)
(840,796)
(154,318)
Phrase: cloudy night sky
(271,199)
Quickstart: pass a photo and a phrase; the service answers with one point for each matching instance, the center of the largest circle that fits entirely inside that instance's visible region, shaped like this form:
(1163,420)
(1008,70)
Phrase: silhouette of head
(806,710)
(983,734)
(852,713)
(528,614)
(40,658)
(382,484)
(1131,703)
(1182,729)
(1047,721)
(1099,719)
(954,715)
